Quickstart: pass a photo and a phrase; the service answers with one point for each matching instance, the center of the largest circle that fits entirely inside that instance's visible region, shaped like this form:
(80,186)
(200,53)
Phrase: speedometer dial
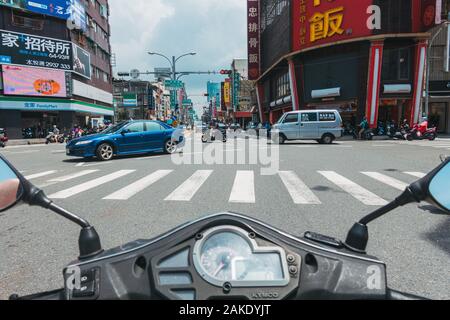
(218,253)
(227,254)
(217,262)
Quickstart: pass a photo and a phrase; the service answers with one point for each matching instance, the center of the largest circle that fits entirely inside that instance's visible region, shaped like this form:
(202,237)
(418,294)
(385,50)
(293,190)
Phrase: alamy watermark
(215,148)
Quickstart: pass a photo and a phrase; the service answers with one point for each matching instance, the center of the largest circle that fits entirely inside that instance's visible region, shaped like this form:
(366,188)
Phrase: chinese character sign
(34,51)
(253,32)
(317,22)
(227,93)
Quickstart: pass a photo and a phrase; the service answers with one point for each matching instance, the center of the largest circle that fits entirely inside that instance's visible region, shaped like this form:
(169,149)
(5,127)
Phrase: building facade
(55,65)
(365,58)
(134,99)
(439,76)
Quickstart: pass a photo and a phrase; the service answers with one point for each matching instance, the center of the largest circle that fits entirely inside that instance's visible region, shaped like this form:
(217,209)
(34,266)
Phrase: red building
(363,58)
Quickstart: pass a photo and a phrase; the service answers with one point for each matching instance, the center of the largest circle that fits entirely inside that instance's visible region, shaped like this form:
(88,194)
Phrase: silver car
(324,126)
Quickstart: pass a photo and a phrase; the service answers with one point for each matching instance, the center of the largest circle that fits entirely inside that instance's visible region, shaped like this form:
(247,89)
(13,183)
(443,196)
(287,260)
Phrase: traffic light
(226,72)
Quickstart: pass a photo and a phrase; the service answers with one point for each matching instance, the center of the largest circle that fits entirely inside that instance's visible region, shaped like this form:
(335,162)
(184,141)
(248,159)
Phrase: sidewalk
(24,142)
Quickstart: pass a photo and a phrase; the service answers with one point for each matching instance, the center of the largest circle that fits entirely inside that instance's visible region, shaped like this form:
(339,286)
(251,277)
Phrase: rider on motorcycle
(364,125)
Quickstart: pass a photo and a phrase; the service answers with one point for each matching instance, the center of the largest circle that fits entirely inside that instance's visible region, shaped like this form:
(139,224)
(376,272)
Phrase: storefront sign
(130,100)
(317,22)
(222,96)
(63,9)
(253,38)
(27,81)
(34,51)
(36,104)
(227,93)
(81,62)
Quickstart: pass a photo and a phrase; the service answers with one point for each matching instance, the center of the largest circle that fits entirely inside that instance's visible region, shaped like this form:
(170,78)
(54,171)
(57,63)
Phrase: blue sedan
(127,138)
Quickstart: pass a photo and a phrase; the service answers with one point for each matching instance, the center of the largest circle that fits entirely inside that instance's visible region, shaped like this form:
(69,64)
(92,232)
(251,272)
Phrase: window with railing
(27,22)
(270,10)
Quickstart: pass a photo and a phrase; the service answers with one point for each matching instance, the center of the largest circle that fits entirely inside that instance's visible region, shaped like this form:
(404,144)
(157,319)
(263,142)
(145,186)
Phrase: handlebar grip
(397,295)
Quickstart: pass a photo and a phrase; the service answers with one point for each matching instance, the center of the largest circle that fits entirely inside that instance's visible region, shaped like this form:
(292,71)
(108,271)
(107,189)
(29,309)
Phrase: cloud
(215,29)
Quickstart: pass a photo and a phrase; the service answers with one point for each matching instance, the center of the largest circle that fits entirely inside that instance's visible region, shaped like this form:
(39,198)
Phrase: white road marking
(358,192)
(419,175)
(244,188)
(134,188)
(25,146)
(64,194)
(80,164)
(397,184)
(298,190)
(73,176)
(41,174)
(189,188)
(22,152)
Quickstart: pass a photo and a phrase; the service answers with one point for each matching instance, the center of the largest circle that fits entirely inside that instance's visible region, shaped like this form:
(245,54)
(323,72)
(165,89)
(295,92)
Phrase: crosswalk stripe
(41,174)
(244,188)
(397,184)
(73,176)
(298,190)
(189,188)
(90,185)
(416,174)
(358,192)
(134,188)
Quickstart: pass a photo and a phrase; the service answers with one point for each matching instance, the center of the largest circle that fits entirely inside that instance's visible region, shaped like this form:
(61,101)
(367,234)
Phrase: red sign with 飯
(318,22)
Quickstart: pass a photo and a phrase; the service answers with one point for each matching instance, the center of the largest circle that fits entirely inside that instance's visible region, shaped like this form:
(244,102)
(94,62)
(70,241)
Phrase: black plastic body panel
(325,272)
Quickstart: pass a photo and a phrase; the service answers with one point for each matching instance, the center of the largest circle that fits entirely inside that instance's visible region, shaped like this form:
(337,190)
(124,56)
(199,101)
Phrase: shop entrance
(38,124)
(393,110)
(438,116)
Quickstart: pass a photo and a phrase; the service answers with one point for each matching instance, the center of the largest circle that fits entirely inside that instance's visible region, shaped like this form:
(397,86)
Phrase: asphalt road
(319,188)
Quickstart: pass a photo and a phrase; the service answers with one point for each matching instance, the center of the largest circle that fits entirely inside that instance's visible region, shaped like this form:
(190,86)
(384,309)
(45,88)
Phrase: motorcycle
(55,138)
(27,133)
(380,129)
(212,135)
(396,133)
(368,135)
(3,138)
(349,130)
(226,255)
(422,132)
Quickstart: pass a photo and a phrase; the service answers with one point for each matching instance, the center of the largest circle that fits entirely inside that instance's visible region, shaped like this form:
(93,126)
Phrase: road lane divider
(189,188)
(64,194)
(138,186)
(299,191)
(365,196)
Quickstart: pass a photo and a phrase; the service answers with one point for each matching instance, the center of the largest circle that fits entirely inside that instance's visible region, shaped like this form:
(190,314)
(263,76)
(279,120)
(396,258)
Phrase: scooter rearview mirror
(11,187)
(434,188)
(14,188)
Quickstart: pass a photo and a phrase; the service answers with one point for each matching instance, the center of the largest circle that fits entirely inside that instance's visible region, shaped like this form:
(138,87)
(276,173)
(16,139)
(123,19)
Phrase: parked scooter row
(417,132)
(3,138)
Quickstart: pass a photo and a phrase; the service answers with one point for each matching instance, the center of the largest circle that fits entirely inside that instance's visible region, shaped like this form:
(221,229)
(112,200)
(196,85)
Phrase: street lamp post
(173,65)
(172,62)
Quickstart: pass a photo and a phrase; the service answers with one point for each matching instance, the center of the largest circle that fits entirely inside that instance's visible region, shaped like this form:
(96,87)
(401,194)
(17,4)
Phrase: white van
(324,126)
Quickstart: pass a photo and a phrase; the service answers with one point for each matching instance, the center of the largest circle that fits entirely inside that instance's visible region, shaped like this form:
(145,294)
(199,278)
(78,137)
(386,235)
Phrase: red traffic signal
(226,72)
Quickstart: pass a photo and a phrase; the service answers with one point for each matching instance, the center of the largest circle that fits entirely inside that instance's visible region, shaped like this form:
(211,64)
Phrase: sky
(214,29)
